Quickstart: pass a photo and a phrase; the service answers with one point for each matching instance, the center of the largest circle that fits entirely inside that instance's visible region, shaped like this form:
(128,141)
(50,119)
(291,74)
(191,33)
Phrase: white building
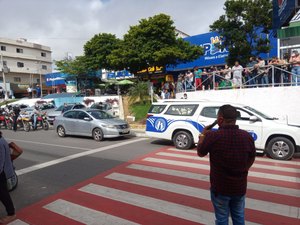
(23,64)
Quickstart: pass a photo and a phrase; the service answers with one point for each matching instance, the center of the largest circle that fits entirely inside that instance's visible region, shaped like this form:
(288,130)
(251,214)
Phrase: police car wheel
(280,148)
(183,140)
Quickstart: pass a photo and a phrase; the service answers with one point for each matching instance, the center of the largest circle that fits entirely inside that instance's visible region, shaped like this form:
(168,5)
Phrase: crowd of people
(256,73)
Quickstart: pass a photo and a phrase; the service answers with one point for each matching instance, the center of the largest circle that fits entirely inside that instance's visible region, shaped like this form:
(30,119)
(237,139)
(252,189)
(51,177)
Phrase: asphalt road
(50,164)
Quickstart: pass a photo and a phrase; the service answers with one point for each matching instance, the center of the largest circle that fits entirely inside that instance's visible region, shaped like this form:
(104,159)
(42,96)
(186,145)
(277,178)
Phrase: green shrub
(139,111)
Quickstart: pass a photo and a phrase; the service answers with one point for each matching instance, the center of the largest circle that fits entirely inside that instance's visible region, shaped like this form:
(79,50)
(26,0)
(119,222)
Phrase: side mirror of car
(253,119)
(87,118)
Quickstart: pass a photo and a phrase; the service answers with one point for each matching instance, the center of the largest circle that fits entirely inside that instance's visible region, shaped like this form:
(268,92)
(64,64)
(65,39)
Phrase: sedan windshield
(100,115)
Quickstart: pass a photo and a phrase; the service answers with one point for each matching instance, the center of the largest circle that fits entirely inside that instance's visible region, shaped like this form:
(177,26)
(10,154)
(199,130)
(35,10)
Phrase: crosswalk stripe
(173,209)
(202,177)
(261,166)
(263,206)
(18,222)
(206,167)
(292,162)
(85,215)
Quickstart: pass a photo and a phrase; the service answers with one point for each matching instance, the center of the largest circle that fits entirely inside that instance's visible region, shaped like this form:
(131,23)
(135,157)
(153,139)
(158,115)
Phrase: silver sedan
(90,122)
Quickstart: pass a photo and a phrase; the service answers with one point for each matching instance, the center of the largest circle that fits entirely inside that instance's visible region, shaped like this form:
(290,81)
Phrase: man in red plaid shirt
(231,153)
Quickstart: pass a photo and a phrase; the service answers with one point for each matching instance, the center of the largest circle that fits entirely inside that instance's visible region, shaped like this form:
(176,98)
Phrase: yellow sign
(153,69)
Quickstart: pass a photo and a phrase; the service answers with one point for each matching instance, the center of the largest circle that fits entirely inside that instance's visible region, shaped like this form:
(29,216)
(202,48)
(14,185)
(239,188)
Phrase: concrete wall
(281,102)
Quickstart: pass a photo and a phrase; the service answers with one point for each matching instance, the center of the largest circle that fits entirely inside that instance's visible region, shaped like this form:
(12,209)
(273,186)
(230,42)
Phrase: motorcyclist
(16,110)
(36,112)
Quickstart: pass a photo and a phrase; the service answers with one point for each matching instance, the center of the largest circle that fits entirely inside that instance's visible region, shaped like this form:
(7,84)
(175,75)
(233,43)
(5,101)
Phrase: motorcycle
(24,121)
(41,121)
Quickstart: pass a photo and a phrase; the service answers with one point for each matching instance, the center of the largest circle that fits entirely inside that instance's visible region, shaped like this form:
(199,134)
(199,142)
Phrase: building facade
(23,64)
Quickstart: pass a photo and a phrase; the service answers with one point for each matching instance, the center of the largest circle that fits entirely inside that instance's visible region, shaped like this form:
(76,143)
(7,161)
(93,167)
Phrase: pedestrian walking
(231,154)
(6,171)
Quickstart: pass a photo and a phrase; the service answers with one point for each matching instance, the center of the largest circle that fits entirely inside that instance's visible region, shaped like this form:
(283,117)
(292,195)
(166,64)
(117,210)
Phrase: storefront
(286,22)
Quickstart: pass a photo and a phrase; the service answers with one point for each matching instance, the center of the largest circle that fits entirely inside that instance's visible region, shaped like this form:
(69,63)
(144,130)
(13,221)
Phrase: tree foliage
(139,92)
(98,49)
(76,67)
(244,27)
(152,42)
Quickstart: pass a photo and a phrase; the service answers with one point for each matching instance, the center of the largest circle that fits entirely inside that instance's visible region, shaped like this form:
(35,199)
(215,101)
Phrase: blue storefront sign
(282,12)
(54,79)
(214,55)
(119,74)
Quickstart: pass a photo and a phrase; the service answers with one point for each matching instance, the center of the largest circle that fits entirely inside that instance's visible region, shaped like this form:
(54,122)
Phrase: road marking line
(157,205)
(75,156)
(18,222)
(206,167)
(202,177)
(263,206)
(257,158)
(260,166)
(53,145)
(85,215)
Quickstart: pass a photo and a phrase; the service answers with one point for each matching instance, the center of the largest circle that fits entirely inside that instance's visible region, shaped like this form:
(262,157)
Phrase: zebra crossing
(169,186)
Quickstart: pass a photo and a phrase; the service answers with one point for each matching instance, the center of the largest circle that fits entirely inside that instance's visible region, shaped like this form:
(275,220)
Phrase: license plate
(125,131)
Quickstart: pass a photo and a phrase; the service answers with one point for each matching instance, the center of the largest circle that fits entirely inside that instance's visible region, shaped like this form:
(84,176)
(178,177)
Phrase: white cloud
(67,25)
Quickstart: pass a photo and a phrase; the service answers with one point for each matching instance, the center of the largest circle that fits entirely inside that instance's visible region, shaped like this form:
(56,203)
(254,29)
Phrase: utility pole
(4,80)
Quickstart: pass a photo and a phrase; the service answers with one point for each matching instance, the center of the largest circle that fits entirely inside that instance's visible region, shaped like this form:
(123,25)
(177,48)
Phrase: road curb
(138,133)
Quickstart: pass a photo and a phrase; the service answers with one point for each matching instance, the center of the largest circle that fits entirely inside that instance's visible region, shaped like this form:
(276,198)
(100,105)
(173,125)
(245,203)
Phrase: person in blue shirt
(6,171)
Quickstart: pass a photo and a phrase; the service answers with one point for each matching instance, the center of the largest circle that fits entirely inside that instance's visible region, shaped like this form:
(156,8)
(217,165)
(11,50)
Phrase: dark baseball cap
(228,112)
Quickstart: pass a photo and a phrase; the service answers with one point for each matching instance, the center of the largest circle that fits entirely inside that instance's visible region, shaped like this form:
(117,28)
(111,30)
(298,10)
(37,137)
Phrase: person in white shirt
(237,71)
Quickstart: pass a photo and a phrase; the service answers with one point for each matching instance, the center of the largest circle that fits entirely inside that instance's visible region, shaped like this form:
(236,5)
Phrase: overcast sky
(66,25)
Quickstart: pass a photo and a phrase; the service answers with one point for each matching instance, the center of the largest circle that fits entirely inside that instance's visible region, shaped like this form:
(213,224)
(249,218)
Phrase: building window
(1,79)
(19,50)
(20,64)
(3,48)
(37,80)
(43,54)
(17,79)
(44,67)
(4,63)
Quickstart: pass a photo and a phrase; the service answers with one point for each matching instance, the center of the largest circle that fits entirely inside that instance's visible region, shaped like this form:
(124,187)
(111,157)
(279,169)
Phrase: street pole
(4,80)
(40,73)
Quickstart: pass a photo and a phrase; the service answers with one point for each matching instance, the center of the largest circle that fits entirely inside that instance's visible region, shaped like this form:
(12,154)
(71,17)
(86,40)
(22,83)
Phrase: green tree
(152,42)
(98,49)
(139,93)
(76,67)
(244,27)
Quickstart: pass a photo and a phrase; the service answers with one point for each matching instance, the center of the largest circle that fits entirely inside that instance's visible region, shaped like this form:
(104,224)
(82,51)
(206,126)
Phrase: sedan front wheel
(98,134)
(61,131)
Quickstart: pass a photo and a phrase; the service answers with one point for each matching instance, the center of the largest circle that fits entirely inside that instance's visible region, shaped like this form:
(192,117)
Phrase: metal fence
(262,77)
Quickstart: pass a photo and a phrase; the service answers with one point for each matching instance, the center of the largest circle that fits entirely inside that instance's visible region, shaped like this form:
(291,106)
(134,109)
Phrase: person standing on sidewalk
(231,153)
(6,170)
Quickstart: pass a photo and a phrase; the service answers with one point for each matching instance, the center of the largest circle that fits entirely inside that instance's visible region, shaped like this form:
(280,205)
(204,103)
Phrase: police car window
(210,112)
(70,114)
(181,110)
(157,108)
(243,115)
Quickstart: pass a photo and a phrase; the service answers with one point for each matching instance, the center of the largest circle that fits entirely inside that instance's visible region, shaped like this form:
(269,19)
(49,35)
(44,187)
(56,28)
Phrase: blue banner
(54,79)
(212,54)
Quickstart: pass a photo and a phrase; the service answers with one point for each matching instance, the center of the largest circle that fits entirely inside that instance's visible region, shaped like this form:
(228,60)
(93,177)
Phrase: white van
(181,121)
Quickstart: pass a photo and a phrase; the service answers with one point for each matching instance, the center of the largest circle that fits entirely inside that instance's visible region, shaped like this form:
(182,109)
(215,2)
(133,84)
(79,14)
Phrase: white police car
(181,121)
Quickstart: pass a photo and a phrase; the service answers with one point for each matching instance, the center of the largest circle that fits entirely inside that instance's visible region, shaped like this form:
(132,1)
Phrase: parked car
(90,122)
(103,106)
(63,108)
(181,121)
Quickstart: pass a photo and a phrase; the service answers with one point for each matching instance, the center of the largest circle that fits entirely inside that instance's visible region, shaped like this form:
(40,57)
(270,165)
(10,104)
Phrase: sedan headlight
(109,126)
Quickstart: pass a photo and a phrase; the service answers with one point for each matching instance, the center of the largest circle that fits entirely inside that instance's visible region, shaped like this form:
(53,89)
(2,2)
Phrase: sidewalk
(138,130)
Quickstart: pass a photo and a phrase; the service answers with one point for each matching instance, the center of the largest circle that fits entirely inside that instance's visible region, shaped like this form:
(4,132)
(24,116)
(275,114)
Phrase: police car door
(207,116)
(247,121)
